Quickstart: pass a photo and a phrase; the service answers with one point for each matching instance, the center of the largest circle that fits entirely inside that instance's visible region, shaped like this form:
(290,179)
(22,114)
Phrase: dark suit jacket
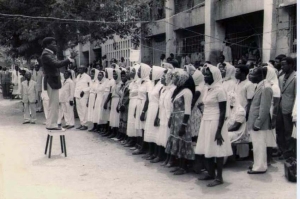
(259,114)
(6,77)
(288,93)
(51,69)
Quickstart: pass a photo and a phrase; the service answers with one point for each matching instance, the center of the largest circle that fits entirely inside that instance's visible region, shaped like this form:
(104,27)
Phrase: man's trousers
(66,111)
(82,110)
(259,150)
(46,108)
(29,112)
(284,130)
(53,107)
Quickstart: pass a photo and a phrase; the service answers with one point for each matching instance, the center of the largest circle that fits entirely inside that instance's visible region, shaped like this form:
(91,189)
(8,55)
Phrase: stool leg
(65,147)
(47,144)
(61,143)
(51,137)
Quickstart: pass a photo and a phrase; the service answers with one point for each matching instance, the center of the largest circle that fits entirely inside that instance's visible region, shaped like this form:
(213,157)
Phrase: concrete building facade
(198,29)
(201,26)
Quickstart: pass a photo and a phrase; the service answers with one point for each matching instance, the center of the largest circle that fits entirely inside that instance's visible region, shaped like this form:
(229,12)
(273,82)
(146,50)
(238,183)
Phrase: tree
(23,36)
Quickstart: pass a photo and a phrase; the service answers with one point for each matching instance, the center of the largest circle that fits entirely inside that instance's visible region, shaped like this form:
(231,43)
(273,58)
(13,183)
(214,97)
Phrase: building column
(269,35)
(214,33)
(170,34)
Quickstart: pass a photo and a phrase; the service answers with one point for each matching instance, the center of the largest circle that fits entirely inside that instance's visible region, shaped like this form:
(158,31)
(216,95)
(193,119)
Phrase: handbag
(290,169)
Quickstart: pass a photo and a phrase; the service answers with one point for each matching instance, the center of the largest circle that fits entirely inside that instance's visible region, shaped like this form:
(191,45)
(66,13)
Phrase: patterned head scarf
(169,77)
(182,77)
(157,72)
(184,81)
(190,69)
(109,73)
(145,71)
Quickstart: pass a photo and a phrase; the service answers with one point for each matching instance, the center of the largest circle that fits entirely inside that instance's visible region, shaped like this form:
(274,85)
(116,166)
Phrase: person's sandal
(216,182)
(206,177)
(180,172)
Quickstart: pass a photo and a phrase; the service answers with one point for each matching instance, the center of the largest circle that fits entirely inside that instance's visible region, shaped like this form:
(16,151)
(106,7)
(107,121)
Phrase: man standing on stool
(52,81)
(29,94)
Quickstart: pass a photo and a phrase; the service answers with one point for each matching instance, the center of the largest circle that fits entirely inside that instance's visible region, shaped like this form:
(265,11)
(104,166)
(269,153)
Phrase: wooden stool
(62,142)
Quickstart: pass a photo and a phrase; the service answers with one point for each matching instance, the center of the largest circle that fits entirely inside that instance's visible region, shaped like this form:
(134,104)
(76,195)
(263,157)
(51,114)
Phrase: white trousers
(259,150)
(53,107)
(29,112)
(46,107)
(66,112)
(82,110)
(39,104)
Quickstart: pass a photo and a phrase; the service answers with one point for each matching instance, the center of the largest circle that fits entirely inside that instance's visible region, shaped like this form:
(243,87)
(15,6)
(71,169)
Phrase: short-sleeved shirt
(145,87)
(211,103)
(244,90)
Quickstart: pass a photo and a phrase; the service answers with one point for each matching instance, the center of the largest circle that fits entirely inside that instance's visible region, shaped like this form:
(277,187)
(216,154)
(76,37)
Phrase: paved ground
(101,168)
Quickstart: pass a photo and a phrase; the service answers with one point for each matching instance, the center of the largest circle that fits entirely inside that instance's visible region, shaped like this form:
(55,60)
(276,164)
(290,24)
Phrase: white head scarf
(272,76)
(157,72)
(109,73)
(96,74)
(168,66)
(136,67)
(198,78)
(119,75)
(190,69)
(216,74)
(230,72)
(145,71)
(104,78)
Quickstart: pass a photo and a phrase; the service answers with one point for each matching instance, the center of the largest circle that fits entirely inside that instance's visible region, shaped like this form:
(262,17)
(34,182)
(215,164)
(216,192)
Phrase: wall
(231,8)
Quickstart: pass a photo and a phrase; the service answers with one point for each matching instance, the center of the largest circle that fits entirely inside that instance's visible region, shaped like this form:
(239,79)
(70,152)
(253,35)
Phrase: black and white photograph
(148,99)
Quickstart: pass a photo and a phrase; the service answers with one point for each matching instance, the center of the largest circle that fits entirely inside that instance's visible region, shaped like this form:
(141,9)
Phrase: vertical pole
(51,137)
(47,144)
(61,143)
(65,147)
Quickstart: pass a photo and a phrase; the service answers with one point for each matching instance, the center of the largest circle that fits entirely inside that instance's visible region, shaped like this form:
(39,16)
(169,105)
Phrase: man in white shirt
(66,100)
(244,88)
(16,81)
(81,95)
(37,76)
(29,96)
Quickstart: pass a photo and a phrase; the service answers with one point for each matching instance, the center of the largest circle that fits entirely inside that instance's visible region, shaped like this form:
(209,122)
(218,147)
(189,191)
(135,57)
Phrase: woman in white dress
(228,75)
(271,134)
(151,128)
(102,91)
(106,106)
(213,141)
(92,97)
(114,117)
(165,109)
(133,97)
(145,87)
